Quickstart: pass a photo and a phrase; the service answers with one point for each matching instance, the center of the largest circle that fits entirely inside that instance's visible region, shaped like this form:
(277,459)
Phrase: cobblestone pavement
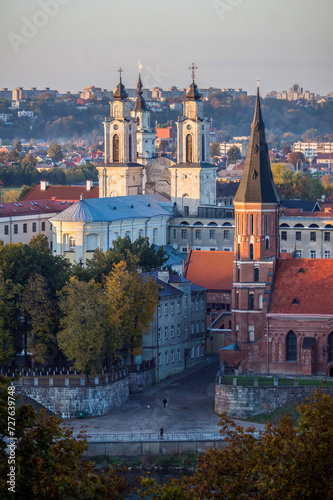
(190,396)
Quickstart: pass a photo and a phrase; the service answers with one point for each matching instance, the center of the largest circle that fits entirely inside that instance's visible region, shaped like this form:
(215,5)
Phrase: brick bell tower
(256,238)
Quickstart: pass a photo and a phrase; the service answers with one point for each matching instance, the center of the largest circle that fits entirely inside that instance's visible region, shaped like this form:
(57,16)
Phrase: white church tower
(145,136)
(193,178)
(121,175)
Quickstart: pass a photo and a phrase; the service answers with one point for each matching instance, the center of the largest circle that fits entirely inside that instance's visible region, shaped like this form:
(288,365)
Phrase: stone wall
(94,400)
(243,402)
(140,381)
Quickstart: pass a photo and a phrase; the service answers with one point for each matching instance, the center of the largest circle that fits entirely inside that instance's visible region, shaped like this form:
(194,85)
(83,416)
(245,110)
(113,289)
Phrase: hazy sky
(71,44)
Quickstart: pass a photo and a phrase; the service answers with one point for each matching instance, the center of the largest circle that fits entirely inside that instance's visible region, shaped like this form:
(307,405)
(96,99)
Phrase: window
(226,234)
(267,243)
(291,347)
(312,254)
(327,254)
(197,305)
(197,327)
(166,357)
(198,351)
(172,356)
(174,234)
(260,301)
(178,330)
(251,301)
(15,228)
(71,242)
(43,226)
(251,333)
(166,309)
(34,227)
(184,234)
(251,224)
(202,303)
(186,332)
(186,210)
(160,333)
(251,251)
(178,355)
(115,148)
(312,236)
(212,234)
(155,235)
(256,274)
(25,228)
(159,311)
(284,235)
(172,331)
(159,359)
(298,236)
(6,230)
(178,306)
(189,143)
(140,233)
(198,234)
(192,328)
(327,236)
(192,352)
(299,254)
(172,307)
(165,332)
(128,233)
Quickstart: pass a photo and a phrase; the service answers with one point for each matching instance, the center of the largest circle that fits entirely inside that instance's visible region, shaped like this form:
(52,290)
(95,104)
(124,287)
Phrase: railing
(245,381)
(71,380)
(155,436)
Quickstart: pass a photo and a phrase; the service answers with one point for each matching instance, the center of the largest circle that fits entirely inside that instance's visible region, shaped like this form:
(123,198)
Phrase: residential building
(62,193)
(177,336)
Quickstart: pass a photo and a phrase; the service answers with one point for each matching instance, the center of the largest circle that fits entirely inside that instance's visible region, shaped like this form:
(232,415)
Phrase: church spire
(193,94)
(140,103)
(120,94)
(257,185)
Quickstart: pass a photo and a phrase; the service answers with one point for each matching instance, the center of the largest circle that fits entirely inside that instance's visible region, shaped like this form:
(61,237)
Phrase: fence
(71,380)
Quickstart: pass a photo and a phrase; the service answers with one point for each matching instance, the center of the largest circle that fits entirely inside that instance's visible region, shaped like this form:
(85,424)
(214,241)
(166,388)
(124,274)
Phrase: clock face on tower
(189,127)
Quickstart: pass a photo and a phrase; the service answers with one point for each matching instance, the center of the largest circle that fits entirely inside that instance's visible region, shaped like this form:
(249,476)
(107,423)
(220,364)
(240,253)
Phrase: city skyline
(68,45)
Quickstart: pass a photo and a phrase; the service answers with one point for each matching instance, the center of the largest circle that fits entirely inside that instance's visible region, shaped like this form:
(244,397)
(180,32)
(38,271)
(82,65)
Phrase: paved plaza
(190,406)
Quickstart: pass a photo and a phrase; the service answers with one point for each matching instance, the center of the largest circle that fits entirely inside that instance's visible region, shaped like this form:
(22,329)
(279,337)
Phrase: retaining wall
(243,402)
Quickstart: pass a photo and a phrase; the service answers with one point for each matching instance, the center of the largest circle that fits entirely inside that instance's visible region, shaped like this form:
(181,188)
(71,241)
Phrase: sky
(71,44)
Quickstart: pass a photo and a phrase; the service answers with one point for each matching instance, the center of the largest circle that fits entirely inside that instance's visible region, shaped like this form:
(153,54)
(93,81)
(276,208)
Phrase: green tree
(39,311)
(49,461)
(83,325)
(8,296)
(25,191)
(283,180)
(17,145)
(54,152)
(296,158)
(214,149)
(131,304)
(10,196)
(287,461)
(234,154)
(29,159)
(13,155)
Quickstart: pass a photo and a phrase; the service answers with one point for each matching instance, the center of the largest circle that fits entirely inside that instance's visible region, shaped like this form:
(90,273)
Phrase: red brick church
(282,309)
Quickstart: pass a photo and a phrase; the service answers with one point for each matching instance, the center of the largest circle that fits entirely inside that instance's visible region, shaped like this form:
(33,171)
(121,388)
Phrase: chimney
(163,275)
(44,185)
(89,185)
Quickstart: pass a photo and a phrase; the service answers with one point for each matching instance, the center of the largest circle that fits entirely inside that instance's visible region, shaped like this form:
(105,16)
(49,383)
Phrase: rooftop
(211,270)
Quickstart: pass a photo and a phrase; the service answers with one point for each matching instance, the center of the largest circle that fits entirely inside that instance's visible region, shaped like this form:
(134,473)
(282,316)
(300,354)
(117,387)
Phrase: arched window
(115,148)
(155,235)
(251,301)
(138,121)
(238,250)
(267,224)
(291,346)
(251,251)
(330,347)
(256,274)
(237,300)
(130,148)
(267,243)
(140,233)
(189,148)
(251,333)
(202,147)
(251,224)
(260,301)
(92,242)
(71,243)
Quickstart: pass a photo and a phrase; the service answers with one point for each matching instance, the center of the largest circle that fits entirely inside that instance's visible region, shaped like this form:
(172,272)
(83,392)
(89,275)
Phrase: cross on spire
(193,67)
(140,67)
(120,71)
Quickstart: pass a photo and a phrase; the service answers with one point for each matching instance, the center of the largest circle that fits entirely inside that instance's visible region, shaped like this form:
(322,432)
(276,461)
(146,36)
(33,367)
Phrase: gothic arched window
(251,301)
(251,224)
(291,346)
(202,147)
(189,148)
(256,274)
(115,148)
(330,347)
(251,251)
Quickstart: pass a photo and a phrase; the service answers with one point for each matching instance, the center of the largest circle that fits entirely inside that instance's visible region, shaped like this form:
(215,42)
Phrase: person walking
(161,433)
(165,403)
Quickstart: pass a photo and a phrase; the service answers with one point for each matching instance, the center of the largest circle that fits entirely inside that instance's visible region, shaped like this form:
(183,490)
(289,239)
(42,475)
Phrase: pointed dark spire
(140,103)
(257,185)
(120,94)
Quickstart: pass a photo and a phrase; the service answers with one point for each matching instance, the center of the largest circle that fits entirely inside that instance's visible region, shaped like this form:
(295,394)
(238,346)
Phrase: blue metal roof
(116,208)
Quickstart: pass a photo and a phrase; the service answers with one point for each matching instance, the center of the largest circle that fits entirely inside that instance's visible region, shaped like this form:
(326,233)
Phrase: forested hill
(284,120)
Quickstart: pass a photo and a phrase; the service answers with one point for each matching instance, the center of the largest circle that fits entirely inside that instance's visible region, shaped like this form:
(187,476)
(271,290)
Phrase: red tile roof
(210,269)
(18,208)
(309,281)
(62,193)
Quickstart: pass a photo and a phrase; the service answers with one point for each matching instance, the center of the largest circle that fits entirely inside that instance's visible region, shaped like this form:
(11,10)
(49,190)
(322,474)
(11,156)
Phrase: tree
(49,460)
(131,304)
(10,196)
(39,311)
(54,152)
(234,154)
(83,325)
(287,461)
(283,180)
(214,149)
(13,155)
(296,158)
(29,159)
(25,191)
(8,297)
